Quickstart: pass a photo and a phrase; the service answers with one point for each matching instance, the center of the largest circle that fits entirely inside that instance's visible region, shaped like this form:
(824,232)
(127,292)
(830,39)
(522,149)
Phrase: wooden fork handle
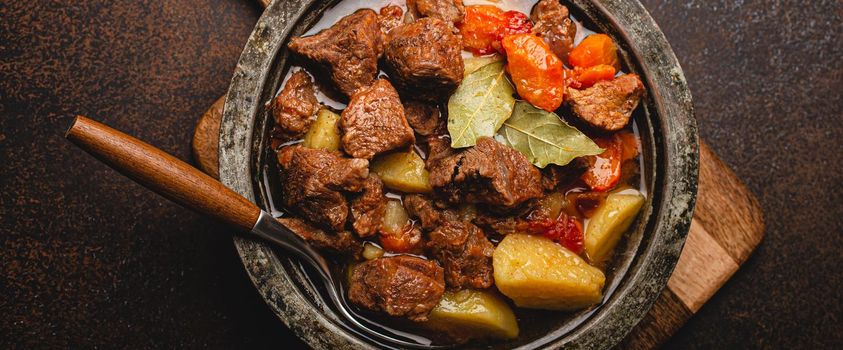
(163,173)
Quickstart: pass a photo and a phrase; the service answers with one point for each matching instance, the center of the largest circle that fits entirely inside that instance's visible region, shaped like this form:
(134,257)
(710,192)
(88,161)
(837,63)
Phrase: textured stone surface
(767,81)
(91,259)
(88,258)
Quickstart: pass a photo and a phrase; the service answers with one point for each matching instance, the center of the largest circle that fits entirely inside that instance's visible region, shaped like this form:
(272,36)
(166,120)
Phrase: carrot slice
(587,77)
(629,145)
(595,49)
(537,73)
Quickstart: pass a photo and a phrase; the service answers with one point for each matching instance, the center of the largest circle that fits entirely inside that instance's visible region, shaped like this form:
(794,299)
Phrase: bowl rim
(644,280)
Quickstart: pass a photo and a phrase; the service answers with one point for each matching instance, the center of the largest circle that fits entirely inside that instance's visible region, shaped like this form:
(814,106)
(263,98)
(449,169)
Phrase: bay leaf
(472,64)
(479,105)
(544,138)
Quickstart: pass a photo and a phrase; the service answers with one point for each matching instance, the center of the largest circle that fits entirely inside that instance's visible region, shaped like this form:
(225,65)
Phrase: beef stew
(476,198)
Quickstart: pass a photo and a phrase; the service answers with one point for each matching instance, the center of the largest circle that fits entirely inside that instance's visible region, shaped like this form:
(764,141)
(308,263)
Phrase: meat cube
(294,108)
(423,209)
(402,286)
(607,105)
(389,18)
(451,12)
(368,208)
(554,176)
(374,122)
(424,59)
(501,225)
(464,252)
(515,220)
(312,180)
(489,173)
(438,148)
(424,118)
(342,242)
(553,24)
(350,49)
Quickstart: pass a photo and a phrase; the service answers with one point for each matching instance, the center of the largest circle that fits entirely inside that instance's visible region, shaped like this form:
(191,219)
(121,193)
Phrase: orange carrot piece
(595,49)
(537,73)
(587,77)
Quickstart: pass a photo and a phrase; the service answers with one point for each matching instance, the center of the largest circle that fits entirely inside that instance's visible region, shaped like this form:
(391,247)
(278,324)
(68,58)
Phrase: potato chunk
(610,220)
(325,132)
(537,273)
(403,171)
(474,314)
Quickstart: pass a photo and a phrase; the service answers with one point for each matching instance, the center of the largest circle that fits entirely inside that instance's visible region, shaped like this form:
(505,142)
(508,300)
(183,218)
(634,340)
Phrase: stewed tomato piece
(565,230)
(484,26)
(604,169)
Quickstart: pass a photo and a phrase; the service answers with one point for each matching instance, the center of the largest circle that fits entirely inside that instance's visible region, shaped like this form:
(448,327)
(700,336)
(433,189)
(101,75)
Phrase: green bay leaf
(472,64)
(544,138)
(480,105)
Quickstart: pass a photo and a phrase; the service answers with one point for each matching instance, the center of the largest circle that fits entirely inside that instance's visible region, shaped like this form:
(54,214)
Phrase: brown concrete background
(88,259)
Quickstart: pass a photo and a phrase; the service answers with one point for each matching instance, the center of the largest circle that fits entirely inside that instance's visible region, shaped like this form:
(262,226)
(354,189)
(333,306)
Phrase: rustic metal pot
(645,259)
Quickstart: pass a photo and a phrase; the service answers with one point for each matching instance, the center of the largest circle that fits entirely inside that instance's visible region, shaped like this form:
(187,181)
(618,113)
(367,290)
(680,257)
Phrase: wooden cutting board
(727,226)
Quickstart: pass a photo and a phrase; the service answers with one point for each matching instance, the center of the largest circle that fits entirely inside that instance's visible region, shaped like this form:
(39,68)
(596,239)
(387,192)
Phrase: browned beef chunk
(402,286)
(312,180)
(464,252)
(554,176)
(489,173)
(516,220)
(451,12)
(342,242)
(423,117)
(350,48)
(501,225)
(552,23)
(294,108)
(442,161)
(390,17)
(367,209)
(427,212)
(424,59)
(438,148)
(607,105)
(585,203)
(374,122)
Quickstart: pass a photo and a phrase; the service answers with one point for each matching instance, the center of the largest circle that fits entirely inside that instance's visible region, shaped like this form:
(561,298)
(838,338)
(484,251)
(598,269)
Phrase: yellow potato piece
(475,314)
(403,171)
(537,273)
(325,132)
(610,220)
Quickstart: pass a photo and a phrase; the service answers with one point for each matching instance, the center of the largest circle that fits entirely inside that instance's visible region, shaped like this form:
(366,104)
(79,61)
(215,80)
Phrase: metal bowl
(644,260)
